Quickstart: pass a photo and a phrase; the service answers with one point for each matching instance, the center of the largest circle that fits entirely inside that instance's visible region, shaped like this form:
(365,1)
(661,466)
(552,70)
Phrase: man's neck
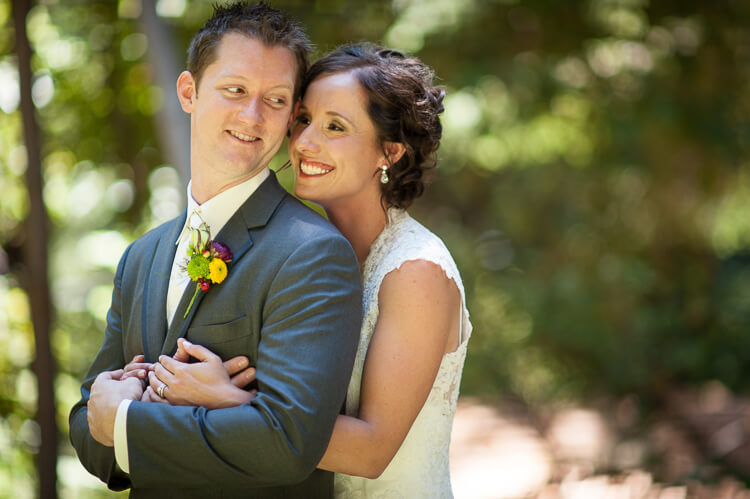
(204,187)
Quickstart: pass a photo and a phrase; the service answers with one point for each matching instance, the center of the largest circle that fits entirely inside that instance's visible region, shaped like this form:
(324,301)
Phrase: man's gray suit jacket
(291,303)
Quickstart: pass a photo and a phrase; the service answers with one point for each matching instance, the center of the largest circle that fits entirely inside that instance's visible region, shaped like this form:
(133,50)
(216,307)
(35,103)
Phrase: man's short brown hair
(254,20)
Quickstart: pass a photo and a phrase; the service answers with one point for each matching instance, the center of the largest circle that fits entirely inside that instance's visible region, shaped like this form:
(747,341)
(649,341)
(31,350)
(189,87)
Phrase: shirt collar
(217,211)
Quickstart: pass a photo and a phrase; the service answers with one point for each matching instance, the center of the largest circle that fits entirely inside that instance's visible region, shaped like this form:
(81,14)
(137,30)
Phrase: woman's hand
(137,368)
(209,383)
(236,367)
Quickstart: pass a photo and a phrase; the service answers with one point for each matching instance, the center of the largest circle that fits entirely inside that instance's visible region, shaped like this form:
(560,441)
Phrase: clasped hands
(209,383)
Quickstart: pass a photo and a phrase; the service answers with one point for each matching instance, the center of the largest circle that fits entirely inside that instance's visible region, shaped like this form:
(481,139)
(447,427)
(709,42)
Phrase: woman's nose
(306,141)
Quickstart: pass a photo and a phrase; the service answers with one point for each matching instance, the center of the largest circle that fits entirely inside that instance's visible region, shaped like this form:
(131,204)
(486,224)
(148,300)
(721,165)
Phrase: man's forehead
(242,53)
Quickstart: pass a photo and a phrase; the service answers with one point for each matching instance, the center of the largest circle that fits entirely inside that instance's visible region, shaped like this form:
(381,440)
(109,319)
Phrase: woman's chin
(306,194)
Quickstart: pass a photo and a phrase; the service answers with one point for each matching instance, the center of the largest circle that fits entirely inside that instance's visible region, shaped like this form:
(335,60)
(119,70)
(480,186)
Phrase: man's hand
(107,392)
(206,383)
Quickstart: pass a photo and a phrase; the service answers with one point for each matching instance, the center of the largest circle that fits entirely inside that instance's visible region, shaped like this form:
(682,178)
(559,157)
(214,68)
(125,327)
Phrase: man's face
(240,110)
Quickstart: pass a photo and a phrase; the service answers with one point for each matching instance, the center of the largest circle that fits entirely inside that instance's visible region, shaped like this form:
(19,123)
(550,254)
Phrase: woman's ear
(186,91)
(393,151)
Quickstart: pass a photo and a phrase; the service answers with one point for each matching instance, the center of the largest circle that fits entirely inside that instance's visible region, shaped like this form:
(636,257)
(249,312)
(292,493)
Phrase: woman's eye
(304,120)
(335,127)
(234,90)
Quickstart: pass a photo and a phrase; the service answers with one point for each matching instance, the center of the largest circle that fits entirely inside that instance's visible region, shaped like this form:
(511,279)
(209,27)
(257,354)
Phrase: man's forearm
(95,457)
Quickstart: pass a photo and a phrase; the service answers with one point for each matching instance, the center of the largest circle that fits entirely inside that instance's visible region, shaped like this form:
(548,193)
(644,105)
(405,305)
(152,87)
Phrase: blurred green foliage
(594,187)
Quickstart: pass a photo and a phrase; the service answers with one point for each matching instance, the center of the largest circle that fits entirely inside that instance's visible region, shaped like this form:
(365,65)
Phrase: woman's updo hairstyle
(404,106)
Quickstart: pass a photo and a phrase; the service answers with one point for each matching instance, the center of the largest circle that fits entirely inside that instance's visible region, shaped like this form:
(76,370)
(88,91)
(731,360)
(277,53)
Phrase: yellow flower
(217,270)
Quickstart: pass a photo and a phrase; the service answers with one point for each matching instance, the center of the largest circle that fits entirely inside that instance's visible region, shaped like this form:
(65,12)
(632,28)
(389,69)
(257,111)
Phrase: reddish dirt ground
(693,450)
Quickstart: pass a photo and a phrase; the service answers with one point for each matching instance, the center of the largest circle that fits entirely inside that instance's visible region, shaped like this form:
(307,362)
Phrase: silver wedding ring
(160,390)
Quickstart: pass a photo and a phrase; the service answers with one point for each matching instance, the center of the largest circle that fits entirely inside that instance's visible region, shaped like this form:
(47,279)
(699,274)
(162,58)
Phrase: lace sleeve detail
(405,240)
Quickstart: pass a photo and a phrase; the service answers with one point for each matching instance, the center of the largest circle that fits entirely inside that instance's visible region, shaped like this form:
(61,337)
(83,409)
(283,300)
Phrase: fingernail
(243,363)
(161,358)
(249,374)
(186,343)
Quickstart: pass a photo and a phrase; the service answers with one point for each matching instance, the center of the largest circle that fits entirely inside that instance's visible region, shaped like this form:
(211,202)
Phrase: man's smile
(242,136)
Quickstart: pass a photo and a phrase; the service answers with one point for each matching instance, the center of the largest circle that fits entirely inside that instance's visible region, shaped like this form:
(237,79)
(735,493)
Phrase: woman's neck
(360,226)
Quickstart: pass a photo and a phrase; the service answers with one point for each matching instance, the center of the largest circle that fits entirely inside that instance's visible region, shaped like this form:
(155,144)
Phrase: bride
(366,133)
(365,136)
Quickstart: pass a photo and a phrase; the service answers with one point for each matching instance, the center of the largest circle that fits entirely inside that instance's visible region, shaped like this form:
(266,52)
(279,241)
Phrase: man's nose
(252,111)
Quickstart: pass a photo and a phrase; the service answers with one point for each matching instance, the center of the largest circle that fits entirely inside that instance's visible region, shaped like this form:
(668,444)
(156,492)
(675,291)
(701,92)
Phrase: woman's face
(334,146)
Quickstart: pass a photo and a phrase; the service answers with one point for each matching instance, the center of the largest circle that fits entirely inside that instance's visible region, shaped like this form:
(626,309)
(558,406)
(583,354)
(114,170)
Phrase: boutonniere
(207,261)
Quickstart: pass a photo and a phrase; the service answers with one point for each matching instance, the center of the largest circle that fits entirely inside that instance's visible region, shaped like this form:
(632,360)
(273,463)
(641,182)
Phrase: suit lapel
(154,319)
(253,214)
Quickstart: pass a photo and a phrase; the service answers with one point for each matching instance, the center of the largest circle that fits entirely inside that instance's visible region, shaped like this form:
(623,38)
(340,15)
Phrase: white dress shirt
(216,212)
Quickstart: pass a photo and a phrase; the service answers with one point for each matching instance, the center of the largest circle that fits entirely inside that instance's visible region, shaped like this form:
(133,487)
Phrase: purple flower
(222,251)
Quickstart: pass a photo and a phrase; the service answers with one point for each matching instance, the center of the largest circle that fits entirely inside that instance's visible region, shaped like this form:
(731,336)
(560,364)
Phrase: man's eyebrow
(221,79)
(284,85)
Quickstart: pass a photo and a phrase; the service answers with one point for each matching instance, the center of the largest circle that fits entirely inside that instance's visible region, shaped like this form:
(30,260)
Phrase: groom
(291,301)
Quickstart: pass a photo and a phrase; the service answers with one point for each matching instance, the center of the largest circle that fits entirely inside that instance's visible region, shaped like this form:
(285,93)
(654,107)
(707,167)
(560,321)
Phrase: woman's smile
(313,168)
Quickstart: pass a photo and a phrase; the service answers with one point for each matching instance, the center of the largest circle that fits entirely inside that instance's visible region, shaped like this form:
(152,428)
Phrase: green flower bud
(197,267)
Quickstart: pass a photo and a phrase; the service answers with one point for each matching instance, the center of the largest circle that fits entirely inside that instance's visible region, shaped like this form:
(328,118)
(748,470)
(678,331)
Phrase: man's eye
(276,102)
(234,90)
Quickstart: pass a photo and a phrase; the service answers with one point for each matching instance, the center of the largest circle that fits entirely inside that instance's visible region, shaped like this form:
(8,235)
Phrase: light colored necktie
(178,279)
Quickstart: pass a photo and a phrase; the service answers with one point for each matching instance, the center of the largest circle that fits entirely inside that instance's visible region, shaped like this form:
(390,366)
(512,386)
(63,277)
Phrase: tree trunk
(172,123)
(35,266)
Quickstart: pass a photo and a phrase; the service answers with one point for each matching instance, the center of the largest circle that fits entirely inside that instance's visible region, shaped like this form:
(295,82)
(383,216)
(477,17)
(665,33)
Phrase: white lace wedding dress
(420,468)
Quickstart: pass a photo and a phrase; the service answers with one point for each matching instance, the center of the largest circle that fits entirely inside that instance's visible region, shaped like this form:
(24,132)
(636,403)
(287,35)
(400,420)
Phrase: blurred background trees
(594,187)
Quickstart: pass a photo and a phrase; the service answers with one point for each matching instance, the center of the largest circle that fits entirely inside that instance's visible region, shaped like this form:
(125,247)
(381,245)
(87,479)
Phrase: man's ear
(292,117)
(186,91)
(295,110)
(393,151)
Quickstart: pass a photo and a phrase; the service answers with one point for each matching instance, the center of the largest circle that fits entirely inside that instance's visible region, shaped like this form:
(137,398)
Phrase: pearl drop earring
(384,174)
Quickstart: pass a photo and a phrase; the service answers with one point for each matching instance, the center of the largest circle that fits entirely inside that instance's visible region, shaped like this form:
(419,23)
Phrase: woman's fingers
(243,378)
(149,395)
(137,368)
(198,351)
(138,373)
(236,364)
(159,387)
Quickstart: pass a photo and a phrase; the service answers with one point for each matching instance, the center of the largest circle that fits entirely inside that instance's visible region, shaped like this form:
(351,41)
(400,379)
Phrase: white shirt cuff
(121,436)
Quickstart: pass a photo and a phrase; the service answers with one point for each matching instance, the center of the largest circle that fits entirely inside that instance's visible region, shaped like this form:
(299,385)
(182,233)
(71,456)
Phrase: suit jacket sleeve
(311,323)
(97,458)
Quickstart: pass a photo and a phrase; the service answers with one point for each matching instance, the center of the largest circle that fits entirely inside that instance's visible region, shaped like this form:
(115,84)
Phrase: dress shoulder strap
(403,240)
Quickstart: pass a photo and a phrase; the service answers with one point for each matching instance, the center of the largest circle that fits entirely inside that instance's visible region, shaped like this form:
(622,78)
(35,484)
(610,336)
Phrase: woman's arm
(418,324)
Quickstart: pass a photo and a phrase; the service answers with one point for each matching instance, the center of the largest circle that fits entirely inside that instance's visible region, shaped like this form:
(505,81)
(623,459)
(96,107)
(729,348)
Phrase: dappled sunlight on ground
(492,456)
(502,451)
